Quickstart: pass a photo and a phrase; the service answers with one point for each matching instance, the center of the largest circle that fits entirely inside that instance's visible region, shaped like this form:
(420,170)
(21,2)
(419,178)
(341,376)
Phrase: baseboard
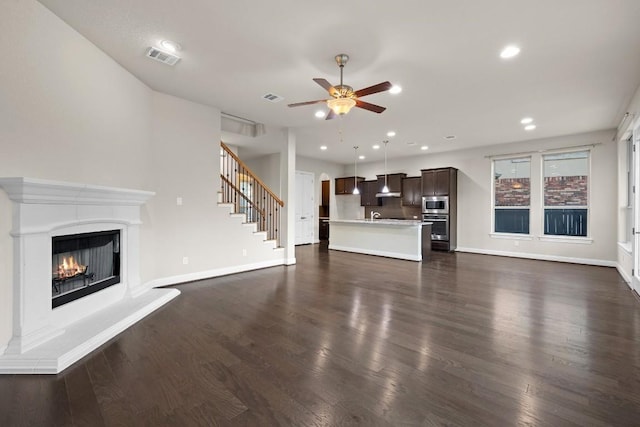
(208,274)
(540,257)
(623,274)
(290,261)
(376,252)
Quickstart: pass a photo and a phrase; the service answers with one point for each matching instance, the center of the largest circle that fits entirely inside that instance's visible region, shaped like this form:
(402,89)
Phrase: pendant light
(385,189)
(355,173)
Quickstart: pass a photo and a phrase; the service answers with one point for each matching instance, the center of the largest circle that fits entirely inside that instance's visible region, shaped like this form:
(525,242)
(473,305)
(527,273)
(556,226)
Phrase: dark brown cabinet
(325,193)
(347,184)
(368,190)
(412,191)
(436,182)
(323,229)
(443,182)
(394,182)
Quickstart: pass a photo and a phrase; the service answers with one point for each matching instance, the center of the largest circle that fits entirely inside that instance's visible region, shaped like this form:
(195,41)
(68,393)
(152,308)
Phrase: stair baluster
(249,195)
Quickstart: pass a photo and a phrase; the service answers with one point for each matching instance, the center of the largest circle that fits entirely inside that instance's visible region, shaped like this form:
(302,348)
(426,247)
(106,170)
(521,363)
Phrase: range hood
(389,194)
(393,182)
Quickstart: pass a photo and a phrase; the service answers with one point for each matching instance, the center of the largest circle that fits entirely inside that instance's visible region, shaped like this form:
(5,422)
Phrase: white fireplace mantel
(40,191)
(46,339)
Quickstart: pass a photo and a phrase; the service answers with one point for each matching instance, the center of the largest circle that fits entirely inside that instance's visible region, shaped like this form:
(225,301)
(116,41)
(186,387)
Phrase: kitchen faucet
(374,215)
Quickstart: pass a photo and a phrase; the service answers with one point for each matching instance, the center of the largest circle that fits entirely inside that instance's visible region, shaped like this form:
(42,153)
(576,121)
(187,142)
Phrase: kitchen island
(393,238)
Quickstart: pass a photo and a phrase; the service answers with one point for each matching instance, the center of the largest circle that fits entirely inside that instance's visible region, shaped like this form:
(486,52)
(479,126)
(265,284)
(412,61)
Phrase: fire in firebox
(70,268)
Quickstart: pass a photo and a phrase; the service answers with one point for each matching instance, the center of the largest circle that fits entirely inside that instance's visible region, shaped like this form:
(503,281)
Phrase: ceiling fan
(344,97)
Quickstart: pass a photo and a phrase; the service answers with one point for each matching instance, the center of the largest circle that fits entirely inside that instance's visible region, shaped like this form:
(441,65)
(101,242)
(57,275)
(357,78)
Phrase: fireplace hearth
(83,264)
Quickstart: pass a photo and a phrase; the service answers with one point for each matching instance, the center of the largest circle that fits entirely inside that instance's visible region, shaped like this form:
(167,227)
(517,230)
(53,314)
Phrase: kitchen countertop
(397,222)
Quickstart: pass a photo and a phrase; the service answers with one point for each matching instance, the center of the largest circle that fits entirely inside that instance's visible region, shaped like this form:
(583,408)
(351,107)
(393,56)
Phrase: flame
(70,268)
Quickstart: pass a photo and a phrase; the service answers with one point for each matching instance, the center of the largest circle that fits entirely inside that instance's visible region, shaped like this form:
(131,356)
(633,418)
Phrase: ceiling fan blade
(327,86)
(331,115)
(380,87)
(298,104)
(371,107)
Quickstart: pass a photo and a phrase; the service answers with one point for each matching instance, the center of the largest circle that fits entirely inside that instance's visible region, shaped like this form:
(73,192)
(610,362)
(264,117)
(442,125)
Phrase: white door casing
(635,278)
(305,203)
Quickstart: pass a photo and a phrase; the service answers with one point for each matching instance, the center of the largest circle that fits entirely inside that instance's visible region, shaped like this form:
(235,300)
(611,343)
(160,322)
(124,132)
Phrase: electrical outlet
(185,260)
(516,243)
(179,201)
(244,252)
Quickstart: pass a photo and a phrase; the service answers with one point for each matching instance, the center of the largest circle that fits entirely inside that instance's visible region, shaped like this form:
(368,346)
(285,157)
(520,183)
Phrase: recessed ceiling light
(376,147)
(391,133)
(361,157)
(449,137)
(424,147)
(526,120)
(509,52)
(170,46)
(323,147)
(320,114)
(529,127)
(395,89)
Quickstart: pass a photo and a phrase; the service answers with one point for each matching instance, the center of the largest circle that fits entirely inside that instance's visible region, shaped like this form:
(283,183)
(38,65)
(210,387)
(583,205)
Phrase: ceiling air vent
(272,97)
(161,56)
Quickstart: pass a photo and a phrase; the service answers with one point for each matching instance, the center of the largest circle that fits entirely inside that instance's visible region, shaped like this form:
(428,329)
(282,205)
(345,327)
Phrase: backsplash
(392,208)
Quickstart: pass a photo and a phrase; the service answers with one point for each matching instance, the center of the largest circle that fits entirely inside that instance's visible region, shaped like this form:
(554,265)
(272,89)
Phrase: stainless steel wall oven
(440,227)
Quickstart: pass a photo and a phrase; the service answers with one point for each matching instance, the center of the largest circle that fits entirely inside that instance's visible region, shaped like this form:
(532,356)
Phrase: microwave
(435,204)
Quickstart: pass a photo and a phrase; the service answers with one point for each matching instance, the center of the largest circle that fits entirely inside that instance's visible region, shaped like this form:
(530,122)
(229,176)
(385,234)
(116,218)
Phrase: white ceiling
(579,65)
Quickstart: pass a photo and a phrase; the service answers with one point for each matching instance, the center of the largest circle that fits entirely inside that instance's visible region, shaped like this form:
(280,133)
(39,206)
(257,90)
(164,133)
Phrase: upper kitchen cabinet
(347,184)
(394,182)
(439,182)
(368,194)
(412,191)
(325,193)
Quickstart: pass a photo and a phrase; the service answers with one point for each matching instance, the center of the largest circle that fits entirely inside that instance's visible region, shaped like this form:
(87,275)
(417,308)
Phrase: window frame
(544,207)
(502,234)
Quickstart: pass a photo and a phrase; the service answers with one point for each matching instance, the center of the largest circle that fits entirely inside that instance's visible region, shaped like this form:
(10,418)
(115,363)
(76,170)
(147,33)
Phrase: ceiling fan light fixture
(341,106)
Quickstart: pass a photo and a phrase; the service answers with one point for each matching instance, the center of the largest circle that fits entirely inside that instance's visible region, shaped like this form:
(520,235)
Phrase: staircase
(248,198)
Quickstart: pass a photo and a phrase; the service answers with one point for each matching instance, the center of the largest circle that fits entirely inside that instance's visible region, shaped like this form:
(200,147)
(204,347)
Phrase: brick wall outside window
(507,195)
(565,191)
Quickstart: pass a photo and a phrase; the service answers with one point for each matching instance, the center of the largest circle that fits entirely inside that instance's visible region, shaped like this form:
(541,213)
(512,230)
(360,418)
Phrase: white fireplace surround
(47,340)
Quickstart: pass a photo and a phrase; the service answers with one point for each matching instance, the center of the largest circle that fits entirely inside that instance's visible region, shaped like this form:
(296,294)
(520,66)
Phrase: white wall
(474,197)
(267,168)
(69,112)
(185,163)
(322,170)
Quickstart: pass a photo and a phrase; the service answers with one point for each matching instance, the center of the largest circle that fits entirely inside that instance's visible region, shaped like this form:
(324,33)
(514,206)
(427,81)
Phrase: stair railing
(249,195)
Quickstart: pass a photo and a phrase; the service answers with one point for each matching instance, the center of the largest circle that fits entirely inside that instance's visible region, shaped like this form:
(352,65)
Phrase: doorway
(305,206)
(323,210)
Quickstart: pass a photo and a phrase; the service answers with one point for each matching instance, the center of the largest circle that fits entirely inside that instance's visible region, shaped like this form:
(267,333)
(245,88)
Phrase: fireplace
(76,271)
(83,264)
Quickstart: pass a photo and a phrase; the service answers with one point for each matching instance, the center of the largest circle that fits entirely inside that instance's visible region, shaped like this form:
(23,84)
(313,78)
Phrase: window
(566,193)
(512,195)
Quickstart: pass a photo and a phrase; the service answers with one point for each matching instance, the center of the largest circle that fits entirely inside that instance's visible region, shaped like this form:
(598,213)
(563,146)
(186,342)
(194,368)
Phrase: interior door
(635,278)
(305,217)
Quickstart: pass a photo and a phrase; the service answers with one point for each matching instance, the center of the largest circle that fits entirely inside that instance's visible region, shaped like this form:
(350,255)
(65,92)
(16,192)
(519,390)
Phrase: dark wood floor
(346,339)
